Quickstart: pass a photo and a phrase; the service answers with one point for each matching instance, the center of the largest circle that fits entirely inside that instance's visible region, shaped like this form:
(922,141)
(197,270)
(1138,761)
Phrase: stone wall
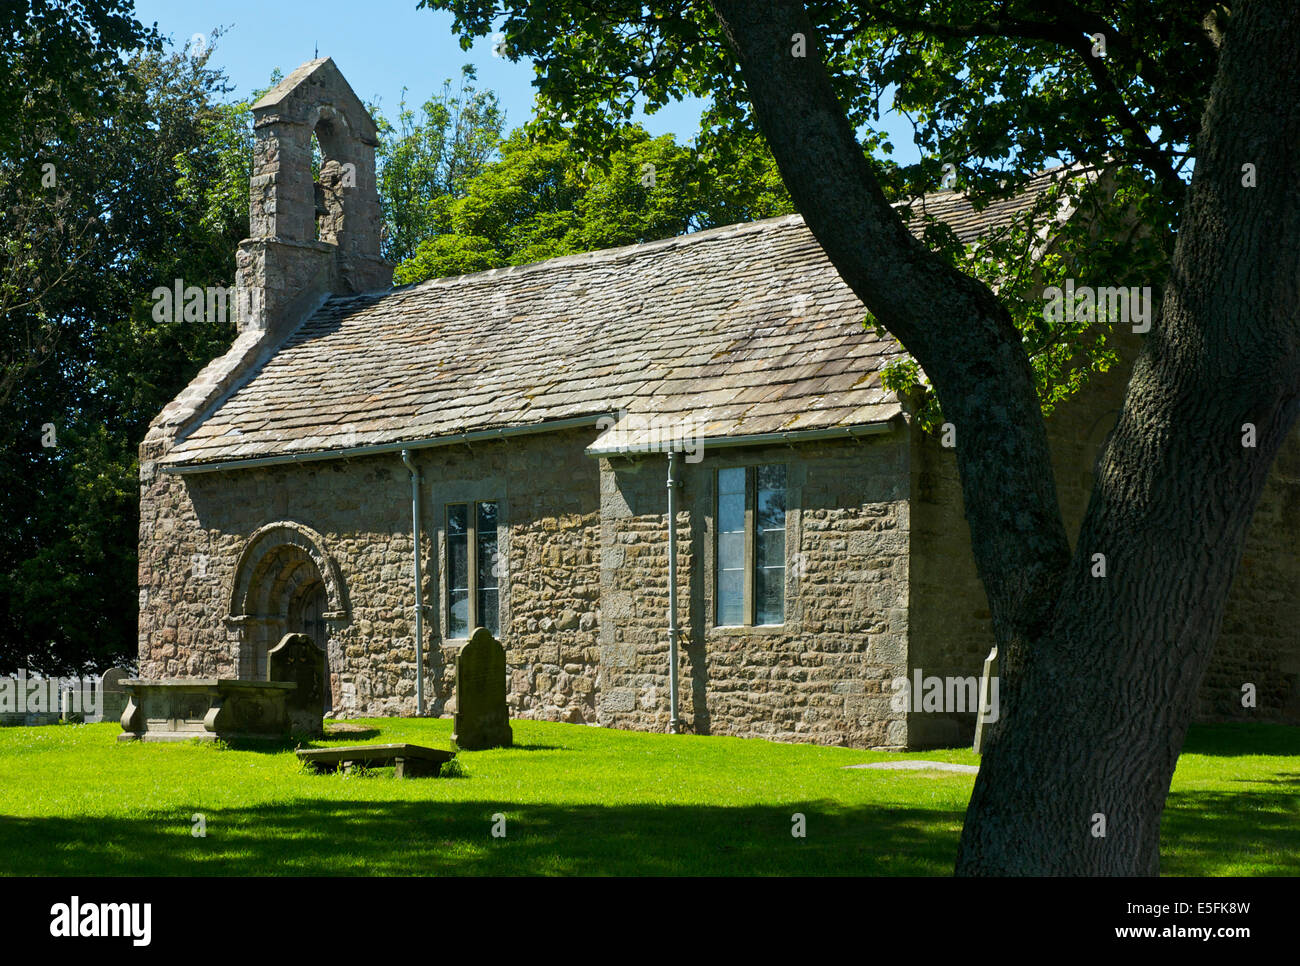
(196,528)
(823,675)
(875,587)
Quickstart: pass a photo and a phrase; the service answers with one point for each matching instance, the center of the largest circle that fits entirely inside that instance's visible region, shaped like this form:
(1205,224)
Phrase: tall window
(751,545)
(473,566)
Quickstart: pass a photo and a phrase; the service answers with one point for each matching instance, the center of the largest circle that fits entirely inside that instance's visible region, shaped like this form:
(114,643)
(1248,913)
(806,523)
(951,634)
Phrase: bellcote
(310,237)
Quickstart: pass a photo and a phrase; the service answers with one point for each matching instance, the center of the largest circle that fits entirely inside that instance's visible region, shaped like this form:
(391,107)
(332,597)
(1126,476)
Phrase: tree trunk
(1094,722)
(1100,675)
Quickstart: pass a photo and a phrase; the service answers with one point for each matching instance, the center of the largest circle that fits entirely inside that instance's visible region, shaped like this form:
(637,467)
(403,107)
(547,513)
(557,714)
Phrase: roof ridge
(602,255)
(636,249)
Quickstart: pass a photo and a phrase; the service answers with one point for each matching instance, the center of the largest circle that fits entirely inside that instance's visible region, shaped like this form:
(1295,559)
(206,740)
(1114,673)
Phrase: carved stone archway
(284,583)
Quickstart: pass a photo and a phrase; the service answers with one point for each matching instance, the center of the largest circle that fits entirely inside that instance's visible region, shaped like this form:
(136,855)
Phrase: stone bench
(412,761)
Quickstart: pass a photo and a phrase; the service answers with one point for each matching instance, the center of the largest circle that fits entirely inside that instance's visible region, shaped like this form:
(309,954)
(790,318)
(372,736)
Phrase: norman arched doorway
(285,584)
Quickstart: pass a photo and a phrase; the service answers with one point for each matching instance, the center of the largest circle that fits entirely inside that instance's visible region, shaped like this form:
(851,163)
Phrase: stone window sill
(743,630)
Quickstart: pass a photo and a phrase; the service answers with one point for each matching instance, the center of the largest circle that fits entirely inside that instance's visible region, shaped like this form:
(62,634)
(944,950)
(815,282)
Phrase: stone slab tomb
(481,719)
(297,658)
(207,709)
(412,761)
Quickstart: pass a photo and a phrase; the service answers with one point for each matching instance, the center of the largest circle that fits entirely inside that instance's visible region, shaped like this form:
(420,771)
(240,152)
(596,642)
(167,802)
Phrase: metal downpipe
(419,582)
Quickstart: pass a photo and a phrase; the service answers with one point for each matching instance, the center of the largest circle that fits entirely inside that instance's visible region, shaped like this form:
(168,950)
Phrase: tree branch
(952,325)
(1070,29)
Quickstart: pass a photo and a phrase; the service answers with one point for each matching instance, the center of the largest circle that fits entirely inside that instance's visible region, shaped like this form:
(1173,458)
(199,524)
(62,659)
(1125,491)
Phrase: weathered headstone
(297,658)
(481,720)
(70,706)
(988,699)
(113,695)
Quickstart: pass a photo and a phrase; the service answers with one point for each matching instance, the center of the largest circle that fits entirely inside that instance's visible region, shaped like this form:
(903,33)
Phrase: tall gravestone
(297,658)
(113,695)
(988,712)
(481,720)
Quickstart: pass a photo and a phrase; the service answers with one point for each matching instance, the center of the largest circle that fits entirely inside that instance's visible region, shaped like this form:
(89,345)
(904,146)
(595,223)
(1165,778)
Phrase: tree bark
(1100,675)
(1095,720)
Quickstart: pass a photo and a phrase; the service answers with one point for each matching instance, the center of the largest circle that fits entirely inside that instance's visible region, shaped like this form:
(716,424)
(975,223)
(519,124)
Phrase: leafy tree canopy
(154,190)
(54,60)
(1000,91)
(427,162)
(542,200)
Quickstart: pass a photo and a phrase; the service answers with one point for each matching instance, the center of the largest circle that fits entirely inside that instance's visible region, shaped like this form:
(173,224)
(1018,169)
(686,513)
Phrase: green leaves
(428,161)
(159,184)
(542,199)
(54,61)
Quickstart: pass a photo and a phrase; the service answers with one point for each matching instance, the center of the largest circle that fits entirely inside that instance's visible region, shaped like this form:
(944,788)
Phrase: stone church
(387,469)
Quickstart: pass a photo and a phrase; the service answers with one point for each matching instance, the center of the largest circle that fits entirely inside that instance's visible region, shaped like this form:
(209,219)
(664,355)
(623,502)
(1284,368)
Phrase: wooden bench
(412,761)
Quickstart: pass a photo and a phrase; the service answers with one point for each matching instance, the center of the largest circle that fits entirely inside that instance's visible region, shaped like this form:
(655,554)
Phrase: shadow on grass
(1204,831)
(360,734)
(443,838)
(1288,779)
(269,746)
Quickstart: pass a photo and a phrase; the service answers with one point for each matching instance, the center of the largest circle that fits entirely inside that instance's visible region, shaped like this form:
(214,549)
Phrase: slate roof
(733,331)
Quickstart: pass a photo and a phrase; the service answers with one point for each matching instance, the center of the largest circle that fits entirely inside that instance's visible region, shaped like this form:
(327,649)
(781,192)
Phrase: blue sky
(381,46)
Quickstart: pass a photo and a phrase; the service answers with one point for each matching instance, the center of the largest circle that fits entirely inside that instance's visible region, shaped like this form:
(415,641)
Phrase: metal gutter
(375,449)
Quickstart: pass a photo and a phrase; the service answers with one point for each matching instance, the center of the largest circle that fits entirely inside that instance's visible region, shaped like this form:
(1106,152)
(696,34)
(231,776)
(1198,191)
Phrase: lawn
(576,800)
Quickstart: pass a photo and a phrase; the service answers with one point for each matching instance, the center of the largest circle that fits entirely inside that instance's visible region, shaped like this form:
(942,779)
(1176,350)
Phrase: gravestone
(987,698)
(70,706)
(481,719)
(297,658)
(113,695)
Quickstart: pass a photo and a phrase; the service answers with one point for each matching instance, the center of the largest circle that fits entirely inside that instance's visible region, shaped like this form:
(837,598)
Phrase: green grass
(576,800)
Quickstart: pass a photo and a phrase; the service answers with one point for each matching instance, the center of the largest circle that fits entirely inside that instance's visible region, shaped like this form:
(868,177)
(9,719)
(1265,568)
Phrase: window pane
(488,612)
(769,588)
(731,546)
(457,570)
(771,497)
(769,546)
(488,566)
(731,551)
(731,594)
(488,563)
(732,480)
(731,512)
(458,614)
